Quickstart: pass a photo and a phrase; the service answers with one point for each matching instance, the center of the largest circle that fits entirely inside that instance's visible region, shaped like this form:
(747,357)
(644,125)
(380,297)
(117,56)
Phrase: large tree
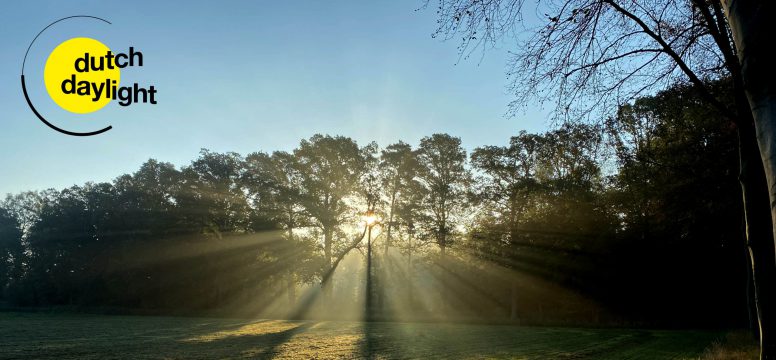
(753,28)
(446,178)
(212,194)
(398,171)
(508,179)
(273,184)
(539,185)
(331,170)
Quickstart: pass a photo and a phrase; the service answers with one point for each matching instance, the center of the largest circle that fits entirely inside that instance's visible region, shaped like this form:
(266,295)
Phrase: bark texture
(752,24)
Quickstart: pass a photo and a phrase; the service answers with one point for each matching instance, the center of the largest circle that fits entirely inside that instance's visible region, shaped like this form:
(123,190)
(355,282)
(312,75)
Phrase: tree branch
(613,58)
(699,84)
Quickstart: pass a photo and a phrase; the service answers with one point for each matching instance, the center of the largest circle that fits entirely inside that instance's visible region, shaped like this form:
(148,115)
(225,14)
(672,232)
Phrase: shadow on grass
(60,337)
(368,348)
(262,345)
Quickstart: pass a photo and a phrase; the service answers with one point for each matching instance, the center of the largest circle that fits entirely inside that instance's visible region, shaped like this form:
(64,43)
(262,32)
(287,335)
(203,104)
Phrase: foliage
(546,229)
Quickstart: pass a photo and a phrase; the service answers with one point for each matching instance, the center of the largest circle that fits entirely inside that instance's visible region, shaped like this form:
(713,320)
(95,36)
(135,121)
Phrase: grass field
(73,336)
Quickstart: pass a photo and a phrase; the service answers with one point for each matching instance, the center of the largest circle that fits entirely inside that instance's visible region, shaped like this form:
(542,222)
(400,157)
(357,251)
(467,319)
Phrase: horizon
(421,179)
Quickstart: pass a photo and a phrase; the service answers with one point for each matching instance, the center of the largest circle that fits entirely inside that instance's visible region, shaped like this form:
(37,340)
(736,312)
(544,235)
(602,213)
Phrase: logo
(82,75)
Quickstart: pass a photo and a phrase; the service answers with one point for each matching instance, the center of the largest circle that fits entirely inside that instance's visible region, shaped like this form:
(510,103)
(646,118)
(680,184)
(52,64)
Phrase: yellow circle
(71,93)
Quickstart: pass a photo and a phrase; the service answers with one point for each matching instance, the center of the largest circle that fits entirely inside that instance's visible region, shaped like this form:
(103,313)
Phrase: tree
(11,250)
(147,200)
(61,243)
(398,169)
(330,171)
(751,23)
(507,184)
(675,193)
(445,178)
(273,184)
(212,193)
(537,183)
(508,180)
(410,218)
(595,54)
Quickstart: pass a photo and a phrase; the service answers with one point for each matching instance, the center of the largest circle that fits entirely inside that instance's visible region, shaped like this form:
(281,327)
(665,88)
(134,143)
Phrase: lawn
(76,336)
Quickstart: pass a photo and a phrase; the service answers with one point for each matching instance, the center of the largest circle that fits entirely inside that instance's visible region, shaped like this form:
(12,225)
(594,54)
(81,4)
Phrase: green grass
(75,336)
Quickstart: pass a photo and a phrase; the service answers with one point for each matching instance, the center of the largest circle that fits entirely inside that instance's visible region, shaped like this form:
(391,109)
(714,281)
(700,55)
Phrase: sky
(245,76)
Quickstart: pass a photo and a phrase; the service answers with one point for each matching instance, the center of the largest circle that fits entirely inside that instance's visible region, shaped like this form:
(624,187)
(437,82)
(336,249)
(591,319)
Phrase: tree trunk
(443,241)
(759,238)
(513,301)
(752,25)
(291,289)
(291,280)
(327,240)
(751,305)
(390,224)
(327,285)
(369,284)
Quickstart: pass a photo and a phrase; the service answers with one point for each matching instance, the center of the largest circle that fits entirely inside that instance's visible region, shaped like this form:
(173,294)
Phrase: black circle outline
(24,86)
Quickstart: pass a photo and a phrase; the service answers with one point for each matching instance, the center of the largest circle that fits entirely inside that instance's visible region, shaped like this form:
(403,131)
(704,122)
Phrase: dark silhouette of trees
(677,183)
(273,186)
(539,184)
(630,215)
(11,250)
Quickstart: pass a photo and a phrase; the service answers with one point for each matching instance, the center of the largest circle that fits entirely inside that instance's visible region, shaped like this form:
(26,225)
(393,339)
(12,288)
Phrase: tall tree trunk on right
(751,305)
(753,27)
(759,238)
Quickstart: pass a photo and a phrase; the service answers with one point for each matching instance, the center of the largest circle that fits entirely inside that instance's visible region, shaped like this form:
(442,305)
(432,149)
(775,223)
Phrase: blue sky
(245,76)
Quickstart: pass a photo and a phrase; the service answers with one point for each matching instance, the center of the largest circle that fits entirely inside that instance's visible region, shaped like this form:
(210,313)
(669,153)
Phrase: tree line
(626,221)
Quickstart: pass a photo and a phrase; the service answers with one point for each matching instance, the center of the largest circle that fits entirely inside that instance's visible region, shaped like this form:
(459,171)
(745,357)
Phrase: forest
(633,219)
